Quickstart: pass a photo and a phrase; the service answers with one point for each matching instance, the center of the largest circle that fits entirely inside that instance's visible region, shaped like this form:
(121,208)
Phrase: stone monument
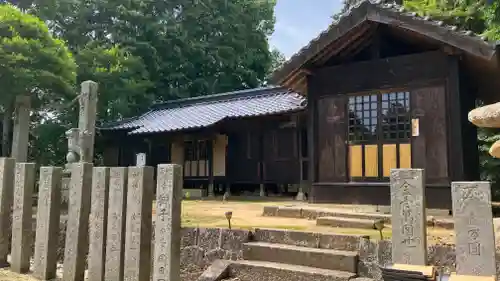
(409,235)
(20,136)
(81,139)
(475,238)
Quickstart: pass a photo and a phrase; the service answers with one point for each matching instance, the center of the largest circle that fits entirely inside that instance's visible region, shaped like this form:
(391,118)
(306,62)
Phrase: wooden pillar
(211,167)
(311,139)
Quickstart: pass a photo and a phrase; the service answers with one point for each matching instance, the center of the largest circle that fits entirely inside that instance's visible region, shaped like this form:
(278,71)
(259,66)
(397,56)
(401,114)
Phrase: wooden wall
(432,80)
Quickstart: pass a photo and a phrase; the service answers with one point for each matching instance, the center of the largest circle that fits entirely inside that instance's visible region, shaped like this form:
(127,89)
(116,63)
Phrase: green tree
(32,62)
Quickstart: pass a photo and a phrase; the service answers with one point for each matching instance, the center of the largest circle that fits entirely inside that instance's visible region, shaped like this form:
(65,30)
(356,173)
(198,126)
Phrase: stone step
(246,270)
(289,254)
(345,222)
(354,215)
(334,241)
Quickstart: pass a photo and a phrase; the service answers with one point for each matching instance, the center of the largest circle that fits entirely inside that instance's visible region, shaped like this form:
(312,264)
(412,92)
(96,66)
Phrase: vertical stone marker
(98,222)
(78,222)
(22,236)
(115,245)
(6,195)
(20,135)
(475,240)
(409,235)
(47,223)
(168,223)
(138,224)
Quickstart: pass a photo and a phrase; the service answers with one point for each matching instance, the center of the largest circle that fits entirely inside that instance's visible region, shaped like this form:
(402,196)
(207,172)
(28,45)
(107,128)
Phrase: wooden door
(281,163)
(243,154)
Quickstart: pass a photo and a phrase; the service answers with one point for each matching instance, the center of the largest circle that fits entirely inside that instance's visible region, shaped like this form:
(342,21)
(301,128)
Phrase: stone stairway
(296,256)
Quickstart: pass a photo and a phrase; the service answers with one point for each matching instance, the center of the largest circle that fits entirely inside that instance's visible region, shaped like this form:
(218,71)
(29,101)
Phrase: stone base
(300,196)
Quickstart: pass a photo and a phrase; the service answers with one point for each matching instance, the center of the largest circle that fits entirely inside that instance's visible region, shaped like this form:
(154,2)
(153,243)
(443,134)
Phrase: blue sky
(299,21)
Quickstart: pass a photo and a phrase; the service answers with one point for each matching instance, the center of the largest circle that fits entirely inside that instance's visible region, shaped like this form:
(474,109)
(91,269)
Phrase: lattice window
(395,118)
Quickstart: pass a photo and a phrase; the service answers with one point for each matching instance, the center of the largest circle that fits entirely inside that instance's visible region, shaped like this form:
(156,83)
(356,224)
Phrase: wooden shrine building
(249,140)
(387,89)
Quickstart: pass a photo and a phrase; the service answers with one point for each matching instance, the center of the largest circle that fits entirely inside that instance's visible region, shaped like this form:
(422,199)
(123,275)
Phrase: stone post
(475,238)
(6,198)
(78,222)
(87,119)
(115,245)
(47,223)
(22,236)
(138,224)
(409,234)
(168,223)
(262,192)
(98,223)
(72,156)
(21,131)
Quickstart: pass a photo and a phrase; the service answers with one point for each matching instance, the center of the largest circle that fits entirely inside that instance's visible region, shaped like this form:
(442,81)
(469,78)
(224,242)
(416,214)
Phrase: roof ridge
(216,97)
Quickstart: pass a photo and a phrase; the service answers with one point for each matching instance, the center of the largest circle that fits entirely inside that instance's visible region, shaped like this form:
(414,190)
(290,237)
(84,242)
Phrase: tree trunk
(6,129)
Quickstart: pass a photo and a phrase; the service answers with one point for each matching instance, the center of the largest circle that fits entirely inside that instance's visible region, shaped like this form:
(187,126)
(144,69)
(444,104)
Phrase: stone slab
(167,253)
(115,245)
(47,223)
(22,236)
(218,270)
(269,271)
(475,239)
(270,211)
(345,222)
(77,230)
(289,212)
(98,222)
(313,257)
(7,166)
(137,264)
(409,234)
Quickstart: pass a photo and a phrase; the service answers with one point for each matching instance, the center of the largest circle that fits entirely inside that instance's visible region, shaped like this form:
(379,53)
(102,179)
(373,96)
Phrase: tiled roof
(208,110)
(391,14)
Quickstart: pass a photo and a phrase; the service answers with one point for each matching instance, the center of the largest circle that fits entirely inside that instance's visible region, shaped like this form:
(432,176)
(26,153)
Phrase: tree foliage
(31,60)
(140,51)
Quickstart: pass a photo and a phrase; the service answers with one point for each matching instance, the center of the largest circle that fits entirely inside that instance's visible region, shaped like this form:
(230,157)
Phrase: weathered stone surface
(7,166)
(290,237)
(168,222)
(408,216)
(115,244)
(22,235)
(98,222)
(495,149)
(86,120)
(21,130)
(217,271)
(344,242)
(345,222)
(137,262)
(487,116)
(289,212)
(313,257)
(47,223)
(270,211)
(475,239)
(77,230)
(258,270)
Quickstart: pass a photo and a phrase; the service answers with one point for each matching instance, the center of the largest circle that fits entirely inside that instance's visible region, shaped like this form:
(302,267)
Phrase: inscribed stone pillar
(6,198)
(87,119)
(47,223)
(115,245)
(78,222)
(138,224)
(140,159)
(168,223)
(22,235)
(409,235)
(98,223)
(475,240)
(20,136)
